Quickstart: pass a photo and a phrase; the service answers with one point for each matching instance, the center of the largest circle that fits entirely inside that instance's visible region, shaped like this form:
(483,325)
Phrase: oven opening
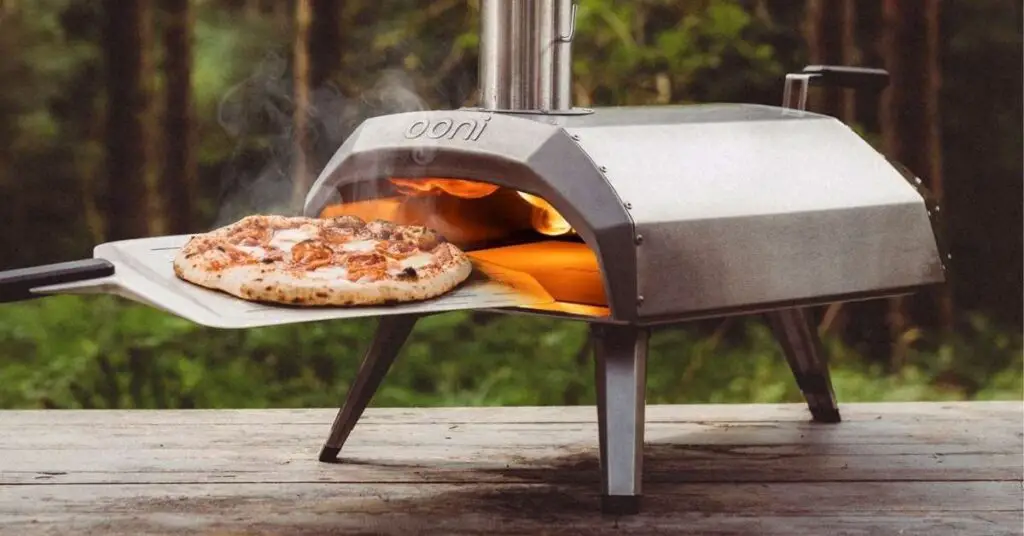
(493,224)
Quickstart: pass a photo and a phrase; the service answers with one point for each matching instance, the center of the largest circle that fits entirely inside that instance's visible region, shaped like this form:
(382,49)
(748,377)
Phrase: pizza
(323,262)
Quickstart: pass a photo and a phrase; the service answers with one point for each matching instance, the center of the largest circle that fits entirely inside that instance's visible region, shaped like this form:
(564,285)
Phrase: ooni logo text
(447,128)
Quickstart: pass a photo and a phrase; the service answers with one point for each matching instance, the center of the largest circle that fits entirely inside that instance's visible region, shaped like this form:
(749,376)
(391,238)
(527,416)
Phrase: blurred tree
(301,178)
(822,28)
(325,41)
(324,48)
(982,98)
(665,51)
(849,55)
(127,40)
(911,130)
(178,181)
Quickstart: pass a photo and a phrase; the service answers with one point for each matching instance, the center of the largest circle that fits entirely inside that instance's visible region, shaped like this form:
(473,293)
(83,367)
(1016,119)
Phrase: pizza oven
(649,214)
(622,217)
(632,217)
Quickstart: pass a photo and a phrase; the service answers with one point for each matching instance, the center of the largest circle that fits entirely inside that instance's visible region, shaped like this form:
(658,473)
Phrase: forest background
(130,118)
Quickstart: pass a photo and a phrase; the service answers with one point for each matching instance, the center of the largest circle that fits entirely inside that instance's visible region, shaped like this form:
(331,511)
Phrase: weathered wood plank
(424,471)
(718,413)
(997,433)
(897,448)
(792,509)
(666,463)
(997,426)
(903,468)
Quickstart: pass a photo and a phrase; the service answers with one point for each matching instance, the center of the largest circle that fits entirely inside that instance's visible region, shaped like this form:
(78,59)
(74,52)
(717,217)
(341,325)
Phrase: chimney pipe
(525,54)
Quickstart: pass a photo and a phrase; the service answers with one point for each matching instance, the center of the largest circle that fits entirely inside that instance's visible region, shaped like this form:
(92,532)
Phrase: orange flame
(544,218)
(458,188)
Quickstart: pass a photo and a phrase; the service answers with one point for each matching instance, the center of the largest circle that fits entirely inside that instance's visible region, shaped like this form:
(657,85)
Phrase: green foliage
(101,352)
(226,53)
(627,47)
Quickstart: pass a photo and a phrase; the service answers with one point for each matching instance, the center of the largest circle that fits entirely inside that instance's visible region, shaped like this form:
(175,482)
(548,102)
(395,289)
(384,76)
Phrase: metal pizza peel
(141,270)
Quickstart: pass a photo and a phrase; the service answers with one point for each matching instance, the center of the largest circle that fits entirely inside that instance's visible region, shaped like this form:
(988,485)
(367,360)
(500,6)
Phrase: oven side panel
(741,214)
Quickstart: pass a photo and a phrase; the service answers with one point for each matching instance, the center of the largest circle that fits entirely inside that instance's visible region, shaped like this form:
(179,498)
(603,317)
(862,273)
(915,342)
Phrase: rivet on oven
(628,205)
(603,169)
(639,300)
(576,137)
(639,239)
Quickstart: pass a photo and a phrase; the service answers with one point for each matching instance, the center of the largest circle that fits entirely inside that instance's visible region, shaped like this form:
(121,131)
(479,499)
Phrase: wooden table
(949,468)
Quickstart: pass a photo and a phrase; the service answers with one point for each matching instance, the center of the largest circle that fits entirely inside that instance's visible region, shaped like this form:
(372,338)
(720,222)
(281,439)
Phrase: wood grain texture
(739,469)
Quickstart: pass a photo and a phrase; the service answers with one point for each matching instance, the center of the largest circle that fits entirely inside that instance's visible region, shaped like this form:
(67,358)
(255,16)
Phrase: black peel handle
(17,285)
(841,76)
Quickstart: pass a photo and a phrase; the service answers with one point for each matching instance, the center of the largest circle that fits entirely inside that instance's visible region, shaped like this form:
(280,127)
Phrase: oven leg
(800,343)
(392,331)
(620,354)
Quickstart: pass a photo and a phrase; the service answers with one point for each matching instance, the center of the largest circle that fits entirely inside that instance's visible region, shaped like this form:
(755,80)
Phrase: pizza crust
(210,260)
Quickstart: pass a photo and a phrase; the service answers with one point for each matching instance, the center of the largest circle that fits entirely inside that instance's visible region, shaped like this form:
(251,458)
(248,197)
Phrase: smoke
(394,93)
(259,115)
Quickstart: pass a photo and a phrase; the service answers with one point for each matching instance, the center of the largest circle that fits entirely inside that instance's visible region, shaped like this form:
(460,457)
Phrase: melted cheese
(418,260)
(362,246)
(255,251)
(285,239)
(328,272)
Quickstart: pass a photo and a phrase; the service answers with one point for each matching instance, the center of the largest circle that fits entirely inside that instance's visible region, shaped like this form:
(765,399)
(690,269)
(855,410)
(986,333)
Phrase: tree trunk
(126,45)
(850,54)
(252,9)
(823,33)
(943,296)
(300,118)
(179,177)
(324,41)
(325,48)
(281,10)
(911,128)
(8,8)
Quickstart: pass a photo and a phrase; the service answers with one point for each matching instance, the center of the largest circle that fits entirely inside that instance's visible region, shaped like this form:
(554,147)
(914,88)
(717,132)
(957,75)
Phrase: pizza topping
(398,250)
(362,260)
(337,235)
(328,272)
(311,254)
(418,260)
(363,246)
(253,235)
(347,222)
(366,274)
(285,239)
(381,229)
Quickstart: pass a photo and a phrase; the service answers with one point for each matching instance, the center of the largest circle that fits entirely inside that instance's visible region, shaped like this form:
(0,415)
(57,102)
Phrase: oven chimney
(525,54)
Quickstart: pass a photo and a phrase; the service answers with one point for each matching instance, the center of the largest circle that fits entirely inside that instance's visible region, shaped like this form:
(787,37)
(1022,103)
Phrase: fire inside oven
(493,224)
